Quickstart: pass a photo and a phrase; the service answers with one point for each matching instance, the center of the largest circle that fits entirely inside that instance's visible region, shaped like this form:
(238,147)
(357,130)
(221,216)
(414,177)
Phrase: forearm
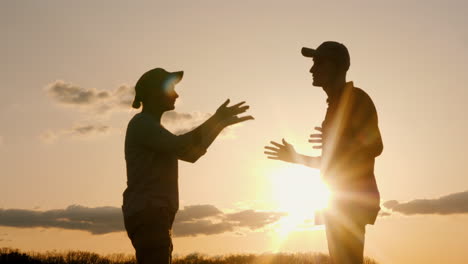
(201,138)
(207,132)
(312,162)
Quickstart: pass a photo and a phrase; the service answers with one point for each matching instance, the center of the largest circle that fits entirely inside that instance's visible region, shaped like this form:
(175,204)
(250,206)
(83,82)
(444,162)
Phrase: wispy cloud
(191,221)
(180,123)
(91,99)
(456,203)
(78,131)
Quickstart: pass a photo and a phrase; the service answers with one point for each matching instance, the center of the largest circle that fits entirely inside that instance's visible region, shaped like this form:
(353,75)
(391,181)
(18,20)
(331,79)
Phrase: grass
(13,256)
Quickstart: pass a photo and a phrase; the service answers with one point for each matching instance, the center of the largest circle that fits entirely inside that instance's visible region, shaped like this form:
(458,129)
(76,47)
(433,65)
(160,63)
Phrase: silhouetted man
(350,141)
(151,199)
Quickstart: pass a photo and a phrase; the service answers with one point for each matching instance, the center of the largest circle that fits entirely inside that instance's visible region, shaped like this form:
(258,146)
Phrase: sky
(68,71)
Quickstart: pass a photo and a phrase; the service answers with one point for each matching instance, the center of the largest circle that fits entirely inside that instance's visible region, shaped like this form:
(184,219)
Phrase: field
(8,255)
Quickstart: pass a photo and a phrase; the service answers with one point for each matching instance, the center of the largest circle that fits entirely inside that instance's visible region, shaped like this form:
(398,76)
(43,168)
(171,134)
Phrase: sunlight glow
(298,191)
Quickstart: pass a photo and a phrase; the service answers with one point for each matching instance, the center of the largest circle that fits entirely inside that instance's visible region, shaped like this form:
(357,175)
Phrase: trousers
(345,241)
(150,231)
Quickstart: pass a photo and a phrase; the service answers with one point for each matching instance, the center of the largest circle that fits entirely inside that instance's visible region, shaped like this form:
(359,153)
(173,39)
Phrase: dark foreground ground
(8,255)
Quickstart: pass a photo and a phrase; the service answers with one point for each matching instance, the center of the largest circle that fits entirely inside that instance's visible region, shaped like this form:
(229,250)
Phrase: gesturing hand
(284,152)
(317,139)
(228,114)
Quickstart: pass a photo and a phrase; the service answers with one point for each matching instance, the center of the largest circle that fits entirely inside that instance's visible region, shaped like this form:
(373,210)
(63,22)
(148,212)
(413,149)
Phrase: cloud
(193,220)
(456,203)
(193,212)
(181,123)
(173,117)
(383,214)
(94,100)
(89,129)
(253,219)
(201,227)
(78,131)
(99,220)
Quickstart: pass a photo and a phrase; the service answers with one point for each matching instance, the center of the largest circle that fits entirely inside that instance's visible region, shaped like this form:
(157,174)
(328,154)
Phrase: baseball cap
(154,79)
(330,50)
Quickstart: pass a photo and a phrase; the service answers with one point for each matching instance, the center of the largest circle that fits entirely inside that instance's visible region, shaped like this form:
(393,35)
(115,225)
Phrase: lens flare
(298,191)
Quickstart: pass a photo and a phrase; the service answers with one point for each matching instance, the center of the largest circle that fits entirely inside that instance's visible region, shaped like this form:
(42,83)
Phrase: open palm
(229,114)
(284,151)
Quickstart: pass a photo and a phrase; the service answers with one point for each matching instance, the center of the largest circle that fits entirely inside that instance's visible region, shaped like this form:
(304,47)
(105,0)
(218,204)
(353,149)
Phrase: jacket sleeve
(155,137)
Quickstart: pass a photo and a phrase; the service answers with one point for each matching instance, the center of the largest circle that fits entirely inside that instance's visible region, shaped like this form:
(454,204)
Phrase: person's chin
(317,82)
(169,107)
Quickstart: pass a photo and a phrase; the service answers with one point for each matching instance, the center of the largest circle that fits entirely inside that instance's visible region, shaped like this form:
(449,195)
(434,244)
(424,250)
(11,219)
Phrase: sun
(298,191)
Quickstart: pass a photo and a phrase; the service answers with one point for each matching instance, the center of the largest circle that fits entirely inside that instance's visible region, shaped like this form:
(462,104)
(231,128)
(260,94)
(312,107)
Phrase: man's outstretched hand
(229,114)
(284,152)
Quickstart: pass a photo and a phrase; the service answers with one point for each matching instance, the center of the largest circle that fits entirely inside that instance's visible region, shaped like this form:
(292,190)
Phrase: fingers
(316,138)
(238,110)
(235,120)
(285,142)
(233,110)
(276,144)
(272,149)
(226,103)
(237,105)
(243,118)
(272,155)
(241,110)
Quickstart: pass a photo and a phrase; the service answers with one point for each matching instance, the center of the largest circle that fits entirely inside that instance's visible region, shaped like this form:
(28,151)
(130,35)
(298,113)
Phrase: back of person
(151,175)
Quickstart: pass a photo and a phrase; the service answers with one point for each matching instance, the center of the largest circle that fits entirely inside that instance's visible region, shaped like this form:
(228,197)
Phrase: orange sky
(410,56)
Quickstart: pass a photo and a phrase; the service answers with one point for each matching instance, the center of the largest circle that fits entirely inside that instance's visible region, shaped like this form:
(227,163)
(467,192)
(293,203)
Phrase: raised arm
(203,136)
(189,146)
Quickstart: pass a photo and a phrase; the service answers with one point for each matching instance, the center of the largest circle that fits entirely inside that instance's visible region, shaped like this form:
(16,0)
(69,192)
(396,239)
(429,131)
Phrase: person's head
(331,62)
(155,89)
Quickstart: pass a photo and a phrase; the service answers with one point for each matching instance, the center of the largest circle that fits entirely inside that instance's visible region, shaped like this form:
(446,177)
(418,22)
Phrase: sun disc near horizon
(298,191)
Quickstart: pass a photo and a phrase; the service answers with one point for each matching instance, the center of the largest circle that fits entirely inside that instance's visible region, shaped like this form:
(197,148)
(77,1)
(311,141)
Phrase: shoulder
(360,94)
(362,98)
(142,121)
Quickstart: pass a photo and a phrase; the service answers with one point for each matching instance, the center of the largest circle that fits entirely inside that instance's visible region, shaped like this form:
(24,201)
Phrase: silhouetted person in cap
(151,199)
(350,140)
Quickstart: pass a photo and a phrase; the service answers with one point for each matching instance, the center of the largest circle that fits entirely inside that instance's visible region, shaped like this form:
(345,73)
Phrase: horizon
(68,79)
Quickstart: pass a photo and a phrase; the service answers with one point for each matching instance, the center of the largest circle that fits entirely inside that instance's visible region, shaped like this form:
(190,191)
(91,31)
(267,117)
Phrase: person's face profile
(323,71)
(168,95)
(164,96)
